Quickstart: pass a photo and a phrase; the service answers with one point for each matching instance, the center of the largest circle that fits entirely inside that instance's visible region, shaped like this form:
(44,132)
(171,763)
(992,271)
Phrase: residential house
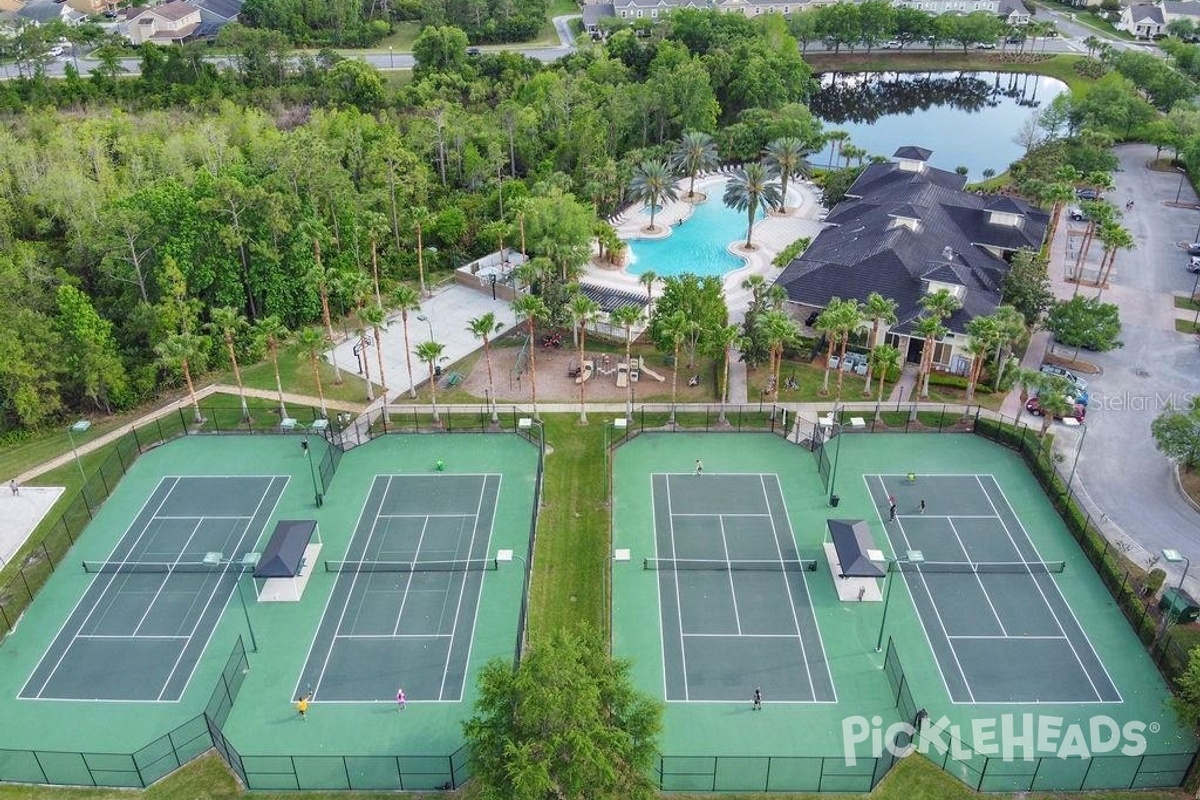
(1149,20)
(1013,12)
(171,23)
(906,230)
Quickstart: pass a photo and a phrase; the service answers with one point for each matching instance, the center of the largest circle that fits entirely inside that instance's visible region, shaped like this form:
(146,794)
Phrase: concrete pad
(21,513)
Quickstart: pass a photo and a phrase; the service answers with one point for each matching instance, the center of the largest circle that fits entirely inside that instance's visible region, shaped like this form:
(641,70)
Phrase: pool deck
(770,236)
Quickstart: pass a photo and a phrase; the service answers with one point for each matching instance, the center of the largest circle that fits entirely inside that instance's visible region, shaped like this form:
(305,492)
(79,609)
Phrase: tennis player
(302,707)
(401,700)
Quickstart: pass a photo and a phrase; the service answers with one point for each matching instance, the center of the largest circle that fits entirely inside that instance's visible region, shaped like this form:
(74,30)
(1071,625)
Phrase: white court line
(479,597)
(1046,600)
(202,516)
(462,588)
(787,583)
(483,579)
(722,514)
(687,693)
(349,594)
(392,636)
(962,545)
(421,516)
(329,599)
(163,581)
(932,605)
(740,635)
(216,586)
(737,618)
(948,516)
(1055,638)
(662,628)
(408,582)
(103,592)
(127,637)
(787,518)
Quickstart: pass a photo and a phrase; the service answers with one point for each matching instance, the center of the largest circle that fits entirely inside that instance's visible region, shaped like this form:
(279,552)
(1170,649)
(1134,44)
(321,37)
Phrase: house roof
(594,12)
(173,11)
(1146,13)
(611,299)
(225,9)
(41,12)
(915,153)
(1186,8)
(954,243)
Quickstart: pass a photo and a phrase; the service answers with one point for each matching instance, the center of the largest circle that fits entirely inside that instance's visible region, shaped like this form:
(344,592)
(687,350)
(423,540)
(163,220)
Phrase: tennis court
(733,594)
(403,606)
(141,627)
(999,626)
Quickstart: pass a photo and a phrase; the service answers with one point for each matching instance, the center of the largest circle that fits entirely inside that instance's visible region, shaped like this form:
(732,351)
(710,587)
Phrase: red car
(1034,407)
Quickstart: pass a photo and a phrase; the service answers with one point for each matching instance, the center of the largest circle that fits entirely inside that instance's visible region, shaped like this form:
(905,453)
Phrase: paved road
(1120,466)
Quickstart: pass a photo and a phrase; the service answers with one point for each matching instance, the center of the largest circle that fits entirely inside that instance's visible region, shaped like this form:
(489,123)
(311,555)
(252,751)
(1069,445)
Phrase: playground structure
(625,372)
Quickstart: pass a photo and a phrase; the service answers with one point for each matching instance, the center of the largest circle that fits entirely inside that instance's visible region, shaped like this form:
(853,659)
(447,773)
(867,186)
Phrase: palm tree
(695,153)
(1027,379)
(1114,238)
(785,157)
(829,325)
(749,189)
(1099,214)
(883,359)
(627,317)
(406,299)
(727,337)
(180,351)
(229,321)
(939,305)
(431,353)
(321,277)
(836,139)
(982,333)
(364,360)
(930,328)
(850,316)
(675,328)
(482,328)
(1010,329)
(882,312)
(654,184)
(376,317)
(531,308)
(647,279)
(272,333)
(583,310)
(1056,399)
(311,342)
(779,330)
(421,219)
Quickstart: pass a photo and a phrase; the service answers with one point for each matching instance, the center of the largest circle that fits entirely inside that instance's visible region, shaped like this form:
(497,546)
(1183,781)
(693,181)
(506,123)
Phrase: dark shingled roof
(956,243)
(225,9)
(594,12)
(611,299)
(916,153)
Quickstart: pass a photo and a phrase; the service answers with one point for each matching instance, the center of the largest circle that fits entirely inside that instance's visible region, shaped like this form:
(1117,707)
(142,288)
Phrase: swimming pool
(698,245)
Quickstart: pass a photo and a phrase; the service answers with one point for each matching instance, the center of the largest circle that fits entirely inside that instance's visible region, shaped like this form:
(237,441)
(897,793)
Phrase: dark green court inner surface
(729,630)
(139,636)
(1005,637)
(382,631)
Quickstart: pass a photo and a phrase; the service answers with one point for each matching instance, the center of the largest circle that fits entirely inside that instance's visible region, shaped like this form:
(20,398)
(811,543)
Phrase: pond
(968,119)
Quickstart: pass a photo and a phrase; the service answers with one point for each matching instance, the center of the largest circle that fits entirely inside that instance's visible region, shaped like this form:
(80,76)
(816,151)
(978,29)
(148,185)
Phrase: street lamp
(832,421)
(1179,191)
(911,557)
(1071,422)
(391,57)
(425,319)
(78,427)
(246,563)
(1174,556)
(318,425)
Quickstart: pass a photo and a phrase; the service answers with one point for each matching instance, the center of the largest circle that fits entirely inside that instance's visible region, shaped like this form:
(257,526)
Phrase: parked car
(1034,406)
(1076,213)
(1193,249)
(1193,264)
(985,46)
(1080,390)
(892,45)
(1087,194)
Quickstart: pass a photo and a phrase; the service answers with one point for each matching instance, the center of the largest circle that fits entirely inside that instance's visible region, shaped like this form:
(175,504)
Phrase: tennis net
(462,565)
(718,565)
(160,567)
(977,567)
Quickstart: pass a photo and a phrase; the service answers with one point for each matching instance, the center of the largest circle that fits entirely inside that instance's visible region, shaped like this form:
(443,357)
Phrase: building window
(654,12)
(639,13)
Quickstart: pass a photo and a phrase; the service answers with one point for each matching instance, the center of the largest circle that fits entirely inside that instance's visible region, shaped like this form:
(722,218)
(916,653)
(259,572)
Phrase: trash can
(1179,606)
(834,499)
(437,371)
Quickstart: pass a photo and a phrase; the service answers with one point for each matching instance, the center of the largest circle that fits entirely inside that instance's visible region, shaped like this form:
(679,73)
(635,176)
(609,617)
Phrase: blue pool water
(698,245)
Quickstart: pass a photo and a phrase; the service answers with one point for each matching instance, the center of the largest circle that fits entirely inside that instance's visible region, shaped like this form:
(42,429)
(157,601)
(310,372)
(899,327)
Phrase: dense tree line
(157,200)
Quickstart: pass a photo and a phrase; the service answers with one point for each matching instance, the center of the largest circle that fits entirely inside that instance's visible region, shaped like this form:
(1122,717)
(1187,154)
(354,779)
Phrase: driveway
(1119,466)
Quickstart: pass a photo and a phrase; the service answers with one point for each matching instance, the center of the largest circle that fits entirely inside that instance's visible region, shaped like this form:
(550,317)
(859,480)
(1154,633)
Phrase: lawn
(400,40)
(1186,303)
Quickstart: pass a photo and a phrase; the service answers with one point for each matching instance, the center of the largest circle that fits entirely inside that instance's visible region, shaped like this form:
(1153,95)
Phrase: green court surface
(104,662)
(977,638)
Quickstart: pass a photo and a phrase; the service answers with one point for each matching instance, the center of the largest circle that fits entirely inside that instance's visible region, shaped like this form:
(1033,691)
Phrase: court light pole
(1078,449)
(79,427)
(1179,191)
(312,470)
(506,556)
(893,565)
(618,424)
(1174,556)
(834,421)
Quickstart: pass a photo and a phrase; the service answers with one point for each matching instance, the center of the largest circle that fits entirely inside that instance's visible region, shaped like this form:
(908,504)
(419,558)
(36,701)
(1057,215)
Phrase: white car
(892,45)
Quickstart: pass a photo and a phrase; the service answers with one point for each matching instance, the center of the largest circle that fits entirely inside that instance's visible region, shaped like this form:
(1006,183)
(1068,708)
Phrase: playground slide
(650,372)
(589,366)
